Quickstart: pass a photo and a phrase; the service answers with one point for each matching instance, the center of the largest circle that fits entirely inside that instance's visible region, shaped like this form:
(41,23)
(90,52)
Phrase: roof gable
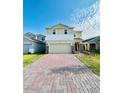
(60,25)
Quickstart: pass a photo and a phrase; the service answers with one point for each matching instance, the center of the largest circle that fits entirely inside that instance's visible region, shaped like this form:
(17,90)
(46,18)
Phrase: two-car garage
(60,48)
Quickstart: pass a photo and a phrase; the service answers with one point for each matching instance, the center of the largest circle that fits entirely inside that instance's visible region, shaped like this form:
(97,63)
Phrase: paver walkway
(60,73)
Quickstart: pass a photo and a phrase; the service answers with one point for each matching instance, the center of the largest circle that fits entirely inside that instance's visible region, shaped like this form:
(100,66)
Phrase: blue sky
(39,14)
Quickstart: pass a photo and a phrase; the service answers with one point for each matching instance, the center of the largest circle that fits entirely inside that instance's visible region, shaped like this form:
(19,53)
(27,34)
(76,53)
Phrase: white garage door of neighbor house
(26,48)
(59,48)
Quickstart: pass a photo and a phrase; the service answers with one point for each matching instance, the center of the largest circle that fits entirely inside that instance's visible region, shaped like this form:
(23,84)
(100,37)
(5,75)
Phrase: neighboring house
(35,36)
(40,37)
(63,39)
(92,44)
(31,44)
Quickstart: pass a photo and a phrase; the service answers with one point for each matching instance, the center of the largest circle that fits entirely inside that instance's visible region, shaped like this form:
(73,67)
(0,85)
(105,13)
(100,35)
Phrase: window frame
(54,32)
(65,31)
(74,35)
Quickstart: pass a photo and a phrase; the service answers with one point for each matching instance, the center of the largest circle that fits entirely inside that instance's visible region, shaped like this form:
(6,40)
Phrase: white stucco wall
(78,34)
(59,37)
(60,31)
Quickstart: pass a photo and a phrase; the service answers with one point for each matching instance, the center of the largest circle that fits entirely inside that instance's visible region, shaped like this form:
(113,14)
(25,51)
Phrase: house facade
(33,44)
(63,39)
(92,44)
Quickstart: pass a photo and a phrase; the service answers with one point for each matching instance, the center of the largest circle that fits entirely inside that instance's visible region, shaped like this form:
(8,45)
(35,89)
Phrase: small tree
(87,18)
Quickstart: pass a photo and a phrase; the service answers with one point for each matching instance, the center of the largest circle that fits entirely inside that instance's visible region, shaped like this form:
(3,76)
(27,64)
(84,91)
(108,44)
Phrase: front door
(77,46)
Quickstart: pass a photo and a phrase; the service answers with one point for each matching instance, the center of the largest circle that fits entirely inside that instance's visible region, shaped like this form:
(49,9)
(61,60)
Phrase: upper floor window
(43,38)
(74,35)
(54,32)
(65,32)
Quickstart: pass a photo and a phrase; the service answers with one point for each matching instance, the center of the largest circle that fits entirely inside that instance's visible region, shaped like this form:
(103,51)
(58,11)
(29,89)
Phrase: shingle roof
(94,39)
(32,36)
(40,35)
(29,35)
(33,40)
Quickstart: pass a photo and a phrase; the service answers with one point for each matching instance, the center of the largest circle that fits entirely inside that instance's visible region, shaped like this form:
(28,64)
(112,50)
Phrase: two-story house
(63,39)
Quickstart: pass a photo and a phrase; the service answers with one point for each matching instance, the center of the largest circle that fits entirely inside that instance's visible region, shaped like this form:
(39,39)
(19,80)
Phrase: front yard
(30,58)
(92,61)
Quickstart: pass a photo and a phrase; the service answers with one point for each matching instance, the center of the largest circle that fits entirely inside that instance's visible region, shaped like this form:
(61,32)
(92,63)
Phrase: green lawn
(92,61)
(30,58)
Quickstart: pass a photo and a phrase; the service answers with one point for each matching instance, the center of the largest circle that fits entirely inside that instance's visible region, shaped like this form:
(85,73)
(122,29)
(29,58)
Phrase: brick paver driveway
(60,73)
